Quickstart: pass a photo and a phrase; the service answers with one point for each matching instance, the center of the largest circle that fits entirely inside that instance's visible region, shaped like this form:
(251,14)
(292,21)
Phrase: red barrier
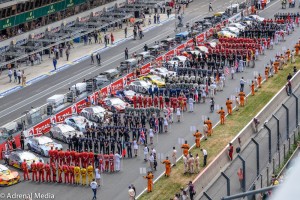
(145,69)
(62,115)
(80,105)
(160,58)
(169,54)
(104,92)
(117,85)
(179,49)
(42,128)
(200,38)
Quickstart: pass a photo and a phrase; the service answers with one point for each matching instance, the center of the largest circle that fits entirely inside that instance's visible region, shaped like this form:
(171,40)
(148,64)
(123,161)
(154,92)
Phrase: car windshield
(44,140)
(3,169)
(129,93)
(156,78)
(98,109)
(79,120)
(116,101)
(27,156)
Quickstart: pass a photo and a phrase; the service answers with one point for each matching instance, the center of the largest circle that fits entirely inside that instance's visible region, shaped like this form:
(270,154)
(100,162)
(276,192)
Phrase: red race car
(114,104)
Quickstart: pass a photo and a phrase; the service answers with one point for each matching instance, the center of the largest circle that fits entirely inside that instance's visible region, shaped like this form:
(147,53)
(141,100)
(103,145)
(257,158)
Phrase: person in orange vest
(40,167)
(167,166)
(55,155)
(149,178)
(229,106)
(197,136)
(288,54)
(53,169)
(111,162)
(84,159)
(259,79)
(266,73)
(242,98)
(252,88)
(106,162)
(66,171)
(222,115)
(73,155)
(60,171)
(48,172)
(185,148)
(276,66)
(25,170)
(209,124)
(71,171)
(297,47)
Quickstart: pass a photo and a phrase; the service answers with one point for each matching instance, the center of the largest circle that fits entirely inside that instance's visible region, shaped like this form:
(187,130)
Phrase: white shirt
(98,176)
(146,150)
(174,153)
(191,100)
(117,157)
(94,185)
(204,152)
(151,159)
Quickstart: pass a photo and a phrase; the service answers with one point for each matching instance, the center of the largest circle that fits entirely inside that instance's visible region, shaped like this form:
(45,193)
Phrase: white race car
(140,86)
(63,131)
(41,144)
(162,71)
(237,25)
(233,30)
(78,122)
(94,113)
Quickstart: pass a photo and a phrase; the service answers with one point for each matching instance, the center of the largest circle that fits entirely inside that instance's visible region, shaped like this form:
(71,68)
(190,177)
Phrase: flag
(227,72)
(236,64)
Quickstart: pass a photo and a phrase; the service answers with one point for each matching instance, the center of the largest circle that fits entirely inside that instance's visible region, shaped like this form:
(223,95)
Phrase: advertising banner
(62,115)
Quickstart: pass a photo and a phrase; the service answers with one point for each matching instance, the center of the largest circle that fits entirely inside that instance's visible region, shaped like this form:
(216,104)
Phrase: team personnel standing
(222,116)
(33,168)
(229,106)
(197,136)
(77,173)
(204,152)
(174,156)
(25,170)
(149,178)
(167,166)
(90,172)
(185,148)
(83,176)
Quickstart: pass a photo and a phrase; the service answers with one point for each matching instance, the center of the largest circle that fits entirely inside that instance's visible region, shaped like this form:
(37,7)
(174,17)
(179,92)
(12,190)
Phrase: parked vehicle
(140,86)
(114,104)
(41,144)
(8,177)
(94,113)
(78,122)
(128,64)
(16,157)
(62,132)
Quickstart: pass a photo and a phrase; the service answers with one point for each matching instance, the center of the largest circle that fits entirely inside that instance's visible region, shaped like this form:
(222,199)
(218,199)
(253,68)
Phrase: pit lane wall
(208,175)
(44,126)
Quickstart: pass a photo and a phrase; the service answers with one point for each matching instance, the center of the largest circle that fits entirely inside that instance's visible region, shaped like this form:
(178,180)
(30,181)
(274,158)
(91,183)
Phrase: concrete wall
(21,39)
(213,170)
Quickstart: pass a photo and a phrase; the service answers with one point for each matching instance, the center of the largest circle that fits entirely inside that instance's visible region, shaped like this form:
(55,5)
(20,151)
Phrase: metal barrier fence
(265,153)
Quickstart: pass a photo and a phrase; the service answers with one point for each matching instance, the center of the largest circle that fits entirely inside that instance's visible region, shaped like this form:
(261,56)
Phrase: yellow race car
(8,177)
(154,79)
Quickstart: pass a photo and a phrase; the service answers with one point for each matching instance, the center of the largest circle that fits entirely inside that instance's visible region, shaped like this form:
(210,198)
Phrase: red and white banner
(160,58)
(80,105)
(190,43)
(179,49)
(169,55)
(42,128)
(62,115)
(200,38)
(117,85)
(145,69)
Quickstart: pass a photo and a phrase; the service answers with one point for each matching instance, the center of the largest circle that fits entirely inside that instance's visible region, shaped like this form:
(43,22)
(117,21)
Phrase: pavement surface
(45,69)
(115,186)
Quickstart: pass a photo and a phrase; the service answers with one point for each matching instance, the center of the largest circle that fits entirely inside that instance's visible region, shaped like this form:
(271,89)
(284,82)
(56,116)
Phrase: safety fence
(264,152)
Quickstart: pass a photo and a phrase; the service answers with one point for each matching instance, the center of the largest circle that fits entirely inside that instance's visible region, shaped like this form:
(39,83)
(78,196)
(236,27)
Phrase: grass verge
(166,188)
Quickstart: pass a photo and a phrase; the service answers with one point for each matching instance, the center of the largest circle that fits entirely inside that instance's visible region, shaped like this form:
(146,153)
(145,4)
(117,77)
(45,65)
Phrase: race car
(16,157)
(126,95)
(237,25)
(114,104)
(41,144)
(226,34)
(162,71)
(176,60)
(233,30)
(253,18)
(154,79)
(140,86)
(8,177)
(62,132)
(94,113)
(78,122)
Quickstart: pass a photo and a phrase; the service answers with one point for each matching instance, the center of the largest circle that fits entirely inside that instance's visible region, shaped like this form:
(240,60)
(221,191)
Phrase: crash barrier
(44,126)
(267,148)
(242,139)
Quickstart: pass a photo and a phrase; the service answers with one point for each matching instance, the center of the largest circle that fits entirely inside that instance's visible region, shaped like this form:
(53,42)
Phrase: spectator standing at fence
(99,38)
(241,177)
(112,38)
(15,76)
(204,152)
(19,74)
(174,156)
(191,190)
(230,151)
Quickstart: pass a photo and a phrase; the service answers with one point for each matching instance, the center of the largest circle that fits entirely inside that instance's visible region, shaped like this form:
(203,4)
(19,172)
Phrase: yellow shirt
(76,170)
(90,169)
(83,171)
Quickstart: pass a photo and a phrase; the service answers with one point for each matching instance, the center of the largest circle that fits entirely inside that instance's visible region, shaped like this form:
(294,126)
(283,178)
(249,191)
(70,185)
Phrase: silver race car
(42,144)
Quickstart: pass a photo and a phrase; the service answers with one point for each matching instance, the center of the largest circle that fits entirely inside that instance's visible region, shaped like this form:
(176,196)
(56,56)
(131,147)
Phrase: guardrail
(242,139)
